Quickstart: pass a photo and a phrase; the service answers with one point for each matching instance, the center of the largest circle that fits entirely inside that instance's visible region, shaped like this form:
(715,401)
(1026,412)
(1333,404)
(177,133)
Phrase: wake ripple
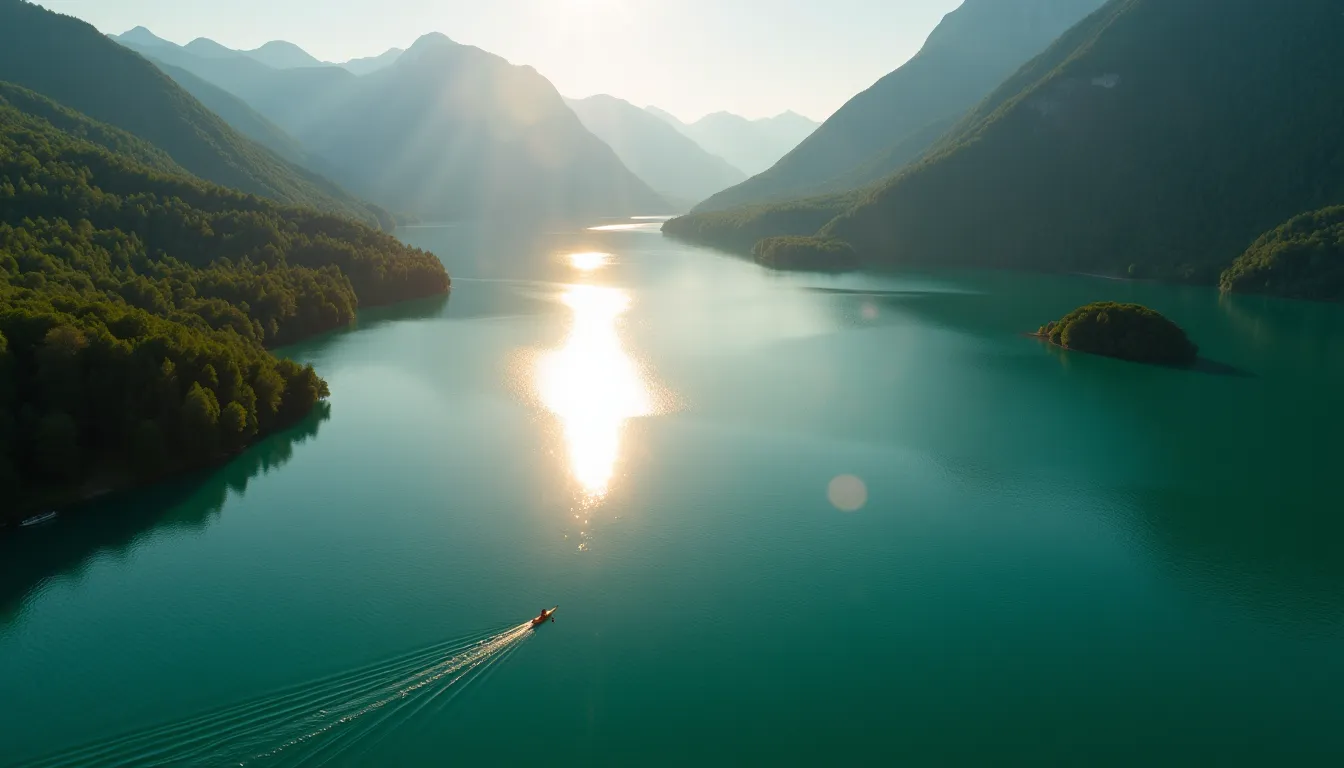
(313,723)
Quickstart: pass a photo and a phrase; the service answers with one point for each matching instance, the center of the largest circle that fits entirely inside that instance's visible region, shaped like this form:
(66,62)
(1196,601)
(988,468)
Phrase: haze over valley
(380,383)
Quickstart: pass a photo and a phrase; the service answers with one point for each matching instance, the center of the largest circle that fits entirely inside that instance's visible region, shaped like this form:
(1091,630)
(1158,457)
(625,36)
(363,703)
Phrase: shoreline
(66,502)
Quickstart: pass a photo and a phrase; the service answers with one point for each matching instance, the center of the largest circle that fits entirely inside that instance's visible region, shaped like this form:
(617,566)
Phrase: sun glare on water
(589,261)
(593,385)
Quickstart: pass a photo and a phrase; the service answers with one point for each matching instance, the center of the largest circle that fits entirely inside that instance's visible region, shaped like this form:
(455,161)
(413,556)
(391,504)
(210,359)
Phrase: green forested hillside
(1157,138)
(237,113)
(739,229)
(893,122)
(1302,259)
(1168,136)
(73,64)
(135,306)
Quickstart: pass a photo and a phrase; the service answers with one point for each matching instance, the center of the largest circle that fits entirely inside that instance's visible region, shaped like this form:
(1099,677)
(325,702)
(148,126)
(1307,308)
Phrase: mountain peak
(282,54)
(431,40)
(367,64)
(141,36)
(204,46)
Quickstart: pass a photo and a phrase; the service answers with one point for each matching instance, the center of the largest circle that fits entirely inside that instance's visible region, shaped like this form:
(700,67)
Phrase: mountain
(892,123)
(667,160)
(136,304)
(282,55)
(237,114)
(445,132)
(268,90)
(209,49)
(71,63)
(750,145)
(372,63)
(142,36)
(667,117)
(277,54)
(1157,137)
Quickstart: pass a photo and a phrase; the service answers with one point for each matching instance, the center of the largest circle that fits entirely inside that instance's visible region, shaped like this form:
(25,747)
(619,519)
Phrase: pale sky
(691,57)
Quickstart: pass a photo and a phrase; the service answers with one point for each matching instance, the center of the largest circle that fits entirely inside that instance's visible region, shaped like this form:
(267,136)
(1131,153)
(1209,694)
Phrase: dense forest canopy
(739,229)
(1302,259)
(75,65)
(1127,331)
(135,306)
(813,254)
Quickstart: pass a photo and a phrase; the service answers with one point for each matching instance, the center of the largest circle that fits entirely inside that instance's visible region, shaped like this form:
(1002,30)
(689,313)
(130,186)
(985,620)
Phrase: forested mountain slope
(73,64)
(892,123)
(136,304)
(1162,134)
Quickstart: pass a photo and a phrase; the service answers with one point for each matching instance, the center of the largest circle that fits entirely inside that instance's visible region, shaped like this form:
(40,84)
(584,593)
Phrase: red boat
(545,615)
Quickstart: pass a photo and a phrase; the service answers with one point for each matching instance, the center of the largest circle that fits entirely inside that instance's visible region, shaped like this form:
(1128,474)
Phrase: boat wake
(340,716)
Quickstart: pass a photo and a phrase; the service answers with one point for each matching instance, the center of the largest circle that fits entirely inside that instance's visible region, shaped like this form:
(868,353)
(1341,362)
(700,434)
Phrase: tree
(233,425)
(134,300)
(58,451)
(200,422)
(149,451)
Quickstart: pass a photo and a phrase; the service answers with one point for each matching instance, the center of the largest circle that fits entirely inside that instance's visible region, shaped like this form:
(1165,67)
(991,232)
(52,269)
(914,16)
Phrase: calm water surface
(795,519)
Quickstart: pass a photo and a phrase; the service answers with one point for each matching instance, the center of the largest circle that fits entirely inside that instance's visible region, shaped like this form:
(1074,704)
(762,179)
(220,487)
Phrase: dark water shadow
(1216,368)
(1201,364)
(416,309)
(876,293)
(986,315)
(31,558)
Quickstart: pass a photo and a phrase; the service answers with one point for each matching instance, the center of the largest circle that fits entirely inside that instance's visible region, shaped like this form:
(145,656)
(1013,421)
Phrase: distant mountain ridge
(444,132)
(364,66)
(71,63)
(670,162)
(892,123)
(750,145)
(277,54)
(1130,145)
(1155,138)
(284,55)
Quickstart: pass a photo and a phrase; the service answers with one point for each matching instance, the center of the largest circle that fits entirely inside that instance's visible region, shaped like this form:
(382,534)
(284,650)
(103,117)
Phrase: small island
(1126,331)
(806,253)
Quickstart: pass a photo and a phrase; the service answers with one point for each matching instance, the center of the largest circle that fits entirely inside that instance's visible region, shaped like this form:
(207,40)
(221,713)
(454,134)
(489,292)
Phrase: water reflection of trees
(33,558)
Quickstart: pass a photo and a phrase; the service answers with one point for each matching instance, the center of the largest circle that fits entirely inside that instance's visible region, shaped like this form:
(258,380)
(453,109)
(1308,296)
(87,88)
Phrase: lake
(795,519)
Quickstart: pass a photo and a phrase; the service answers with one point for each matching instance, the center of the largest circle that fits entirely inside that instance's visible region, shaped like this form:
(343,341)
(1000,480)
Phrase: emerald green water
(1055,557)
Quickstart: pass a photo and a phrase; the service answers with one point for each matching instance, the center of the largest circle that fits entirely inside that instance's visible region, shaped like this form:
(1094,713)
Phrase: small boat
(545,615)
(45,517)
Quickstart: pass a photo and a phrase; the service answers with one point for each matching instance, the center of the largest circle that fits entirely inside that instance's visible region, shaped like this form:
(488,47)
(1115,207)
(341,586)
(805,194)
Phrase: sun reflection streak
(589,260)
(593,386)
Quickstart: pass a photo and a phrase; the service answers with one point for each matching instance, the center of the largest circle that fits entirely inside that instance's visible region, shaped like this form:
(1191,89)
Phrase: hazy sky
(690,57)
